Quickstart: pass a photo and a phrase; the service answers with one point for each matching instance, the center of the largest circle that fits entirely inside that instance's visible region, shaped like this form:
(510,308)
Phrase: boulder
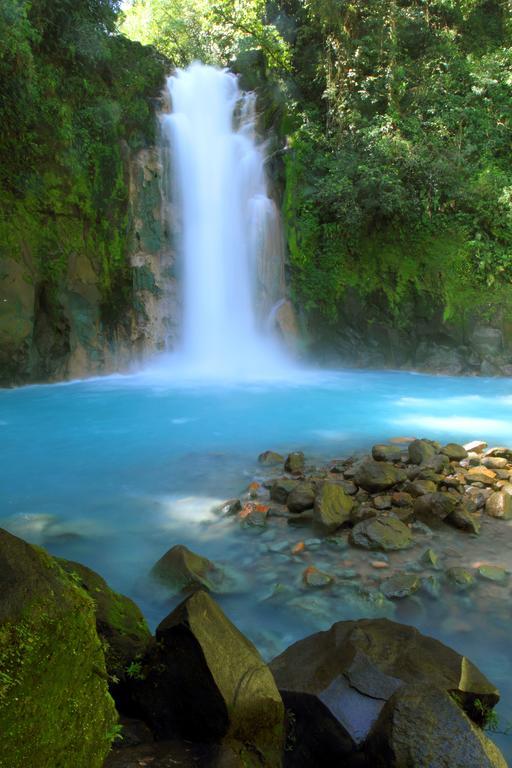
(182,570)
(55,709)
(454,451)
(434,506)
(281,488)
(270,458)
(386,453)
(499,504)
(387,533)
(376,476)
(301,497)
(421,451)
(460,577)
(204,681)
(229,508)
(335,684)
(119,621)
(294,463)
(423,727)
(332,507)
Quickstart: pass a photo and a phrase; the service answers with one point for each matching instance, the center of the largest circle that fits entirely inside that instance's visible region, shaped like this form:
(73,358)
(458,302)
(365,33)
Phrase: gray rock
(460,577)
(422,727)
(301,497)
(281,488)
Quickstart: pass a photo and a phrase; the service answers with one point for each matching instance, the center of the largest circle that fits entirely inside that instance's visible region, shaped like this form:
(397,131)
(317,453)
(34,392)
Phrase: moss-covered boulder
(204,681)
(332,507)
(55,709)
(301,497)
(119,621)
(377,476)
(423,727)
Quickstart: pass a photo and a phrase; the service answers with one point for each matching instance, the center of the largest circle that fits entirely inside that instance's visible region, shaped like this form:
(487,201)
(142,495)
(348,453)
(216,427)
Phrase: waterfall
(229,226)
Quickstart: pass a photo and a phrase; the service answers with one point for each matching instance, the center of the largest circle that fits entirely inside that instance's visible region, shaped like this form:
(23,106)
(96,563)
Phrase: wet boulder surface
(205,682)
(337,684)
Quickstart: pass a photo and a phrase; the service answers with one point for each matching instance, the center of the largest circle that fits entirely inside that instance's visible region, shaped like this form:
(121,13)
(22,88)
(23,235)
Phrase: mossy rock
(205,682)
(119,621)
(55,708)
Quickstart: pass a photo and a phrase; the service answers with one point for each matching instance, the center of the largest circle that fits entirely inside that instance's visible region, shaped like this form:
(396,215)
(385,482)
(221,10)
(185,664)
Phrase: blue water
(114,471)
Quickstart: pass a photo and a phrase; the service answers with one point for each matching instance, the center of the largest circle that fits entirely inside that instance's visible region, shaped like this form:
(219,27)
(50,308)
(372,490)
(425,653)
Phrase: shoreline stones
(387,533)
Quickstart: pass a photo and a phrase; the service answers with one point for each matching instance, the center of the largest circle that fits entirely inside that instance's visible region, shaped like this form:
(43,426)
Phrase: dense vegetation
(74,96)
(398,115)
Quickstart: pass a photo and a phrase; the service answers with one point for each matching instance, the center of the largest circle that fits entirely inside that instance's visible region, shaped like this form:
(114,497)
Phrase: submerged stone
(493,573)
(312,577)
(460,577)
(400,585)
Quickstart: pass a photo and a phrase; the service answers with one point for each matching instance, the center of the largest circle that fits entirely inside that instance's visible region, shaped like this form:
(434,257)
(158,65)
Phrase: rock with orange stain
(312,577)
(298,548)
(379,564)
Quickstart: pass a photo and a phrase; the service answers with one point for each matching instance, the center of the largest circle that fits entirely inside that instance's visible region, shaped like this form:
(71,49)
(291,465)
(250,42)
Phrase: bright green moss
(55,709)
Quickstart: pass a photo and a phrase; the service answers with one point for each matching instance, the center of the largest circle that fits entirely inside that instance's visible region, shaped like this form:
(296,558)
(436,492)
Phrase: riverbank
(417,531)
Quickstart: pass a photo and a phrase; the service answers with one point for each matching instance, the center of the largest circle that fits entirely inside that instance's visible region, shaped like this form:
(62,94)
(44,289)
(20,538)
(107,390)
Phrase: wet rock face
(341,685)
(204,681)
(423,727)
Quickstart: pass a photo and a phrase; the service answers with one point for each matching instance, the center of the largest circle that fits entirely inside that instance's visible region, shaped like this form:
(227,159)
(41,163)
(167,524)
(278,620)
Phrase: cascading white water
(228,221)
